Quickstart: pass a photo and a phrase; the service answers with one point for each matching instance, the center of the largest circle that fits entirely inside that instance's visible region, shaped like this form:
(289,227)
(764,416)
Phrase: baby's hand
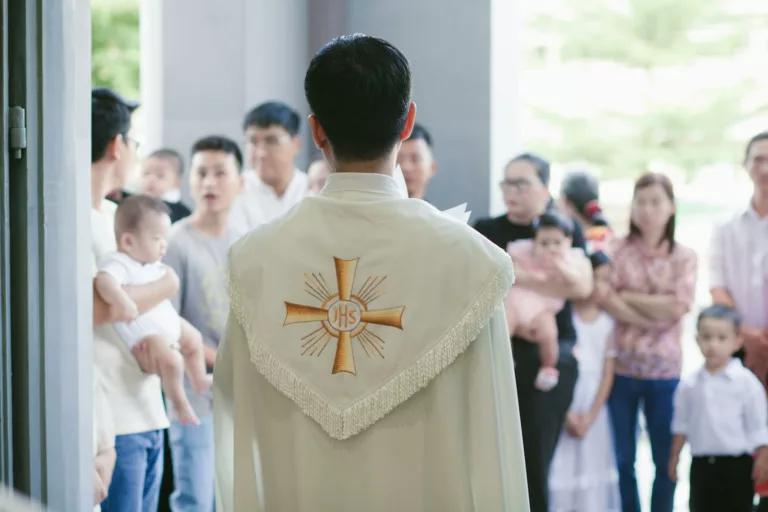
(128,310)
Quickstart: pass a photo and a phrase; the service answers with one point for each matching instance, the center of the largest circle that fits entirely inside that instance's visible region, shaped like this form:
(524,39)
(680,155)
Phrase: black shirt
(178,209)
(501,231)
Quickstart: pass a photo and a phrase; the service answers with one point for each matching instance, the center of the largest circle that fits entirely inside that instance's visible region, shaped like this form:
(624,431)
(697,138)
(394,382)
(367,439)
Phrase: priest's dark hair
(555,219)
(419,132)
(219,143)
(359,89)
(582,191)
(273,113)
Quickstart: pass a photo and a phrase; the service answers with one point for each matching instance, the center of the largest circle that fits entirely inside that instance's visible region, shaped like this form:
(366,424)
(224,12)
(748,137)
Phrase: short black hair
(219,143)
(110,117)
(556,220)
(133,210)
(754,140)
(582,190)
(540,164)
(359,88)
(170,154)
(273,113)
(720,312)
(421,133)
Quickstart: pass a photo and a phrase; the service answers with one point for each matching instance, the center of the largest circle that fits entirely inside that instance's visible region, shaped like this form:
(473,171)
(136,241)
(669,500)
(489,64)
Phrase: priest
(366,364)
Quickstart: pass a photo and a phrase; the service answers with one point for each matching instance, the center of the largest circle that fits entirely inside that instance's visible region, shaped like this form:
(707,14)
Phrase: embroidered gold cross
(343,315)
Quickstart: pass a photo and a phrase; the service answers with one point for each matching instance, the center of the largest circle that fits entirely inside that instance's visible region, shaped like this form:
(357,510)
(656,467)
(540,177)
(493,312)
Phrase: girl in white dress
(583,477)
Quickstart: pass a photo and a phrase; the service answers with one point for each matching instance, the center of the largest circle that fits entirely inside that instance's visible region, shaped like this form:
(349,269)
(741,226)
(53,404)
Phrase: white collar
(361,182)
(731,371)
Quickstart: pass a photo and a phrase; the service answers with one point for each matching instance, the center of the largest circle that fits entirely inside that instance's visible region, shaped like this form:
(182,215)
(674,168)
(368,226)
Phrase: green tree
(115,45)
(651,37)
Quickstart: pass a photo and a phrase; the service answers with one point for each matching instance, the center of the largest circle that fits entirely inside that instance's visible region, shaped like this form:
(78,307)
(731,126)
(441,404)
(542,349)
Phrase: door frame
(50,253)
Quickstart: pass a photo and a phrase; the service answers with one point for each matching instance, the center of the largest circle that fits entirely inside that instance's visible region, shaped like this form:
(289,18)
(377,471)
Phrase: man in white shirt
(273,185)
(738,266)
(366,363)
(135,399)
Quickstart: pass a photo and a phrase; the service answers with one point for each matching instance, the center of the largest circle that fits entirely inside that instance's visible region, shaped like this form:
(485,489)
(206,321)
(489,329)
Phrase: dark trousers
(720,484)
(166,487)
(542,414)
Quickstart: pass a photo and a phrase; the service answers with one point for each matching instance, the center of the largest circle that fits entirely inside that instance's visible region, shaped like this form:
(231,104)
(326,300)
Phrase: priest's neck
(384,166)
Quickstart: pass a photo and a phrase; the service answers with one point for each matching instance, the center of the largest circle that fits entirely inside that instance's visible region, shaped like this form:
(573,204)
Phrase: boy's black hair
(110,117)
(134,209)
(273,113)
(219,143)
(419,132)
(359,89)
(539,163)
(555,219)
(720,312)
(170,154)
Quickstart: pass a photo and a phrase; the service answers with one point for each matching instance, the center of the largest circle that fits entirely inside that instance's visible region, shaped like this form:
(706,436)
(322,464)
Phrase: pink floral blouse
(641,353)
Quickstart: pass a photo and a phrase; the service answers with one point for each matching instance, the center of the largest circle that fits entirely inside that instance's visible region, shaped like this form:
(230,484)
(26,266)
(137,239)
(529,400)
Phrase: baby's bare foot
(203,384)
(185,413)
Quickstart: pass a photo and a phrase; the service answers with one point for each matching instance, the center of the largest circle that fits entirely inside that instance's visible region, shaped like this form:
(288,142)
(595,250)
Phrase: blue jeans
(135,483)
(656,397)
(193,466)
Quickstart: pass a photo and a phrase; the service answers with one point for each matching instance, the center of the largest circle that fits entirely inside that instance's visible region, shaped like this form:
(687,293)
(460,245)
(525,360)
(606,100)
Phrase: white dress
(583,475)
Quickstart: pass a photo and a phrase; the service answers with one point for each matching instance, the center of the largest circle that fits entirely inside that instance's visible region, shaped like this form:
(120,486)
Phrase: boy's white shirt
(421,296)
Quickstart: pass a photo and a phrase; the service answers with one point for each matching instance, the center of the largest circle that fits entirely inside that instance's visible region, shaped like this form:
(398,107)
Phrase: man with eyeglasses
(542,414)
(273,185)
(130,416)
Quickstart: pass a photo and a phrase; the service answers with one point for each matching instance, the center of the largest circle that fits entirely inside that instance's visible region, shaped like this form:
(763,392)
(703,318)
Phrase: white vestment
(366,364)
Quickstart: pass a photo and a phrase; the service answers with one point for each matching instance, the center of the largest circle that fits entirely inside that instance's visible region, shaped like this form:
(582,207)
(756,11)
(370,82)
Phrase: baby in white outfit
(141,228)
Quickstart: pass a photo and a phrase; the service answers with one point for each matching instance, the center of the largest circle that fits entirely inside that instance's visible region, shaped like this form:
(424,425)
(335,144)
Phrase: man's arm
(145,296)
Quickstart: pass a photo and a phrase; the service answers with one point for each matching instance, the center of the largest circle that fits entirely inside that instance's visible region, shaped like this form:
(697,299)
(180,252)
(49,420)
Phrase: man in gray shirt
(197,251)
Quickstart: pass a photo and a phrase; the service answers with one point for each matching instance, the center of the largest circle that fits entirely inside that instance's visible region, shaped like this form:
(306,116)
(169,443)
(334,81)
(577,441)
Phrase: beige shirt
(258,203)
(134,396)
(413,409)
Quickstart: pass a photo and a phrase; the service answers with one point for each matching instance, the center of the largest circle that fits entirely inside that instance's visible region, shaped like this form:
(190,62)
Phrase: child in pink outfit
(550,255)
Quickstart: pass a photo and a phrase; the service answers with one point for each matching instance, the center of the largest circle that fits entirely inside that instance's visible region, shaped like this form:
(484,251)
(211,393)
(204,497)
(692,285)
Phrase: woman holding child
(654,281)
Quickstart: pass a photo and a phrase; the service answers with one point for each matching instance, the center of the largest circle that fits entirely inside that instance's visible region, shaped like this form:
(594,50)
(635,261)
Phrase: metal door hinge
(18,135)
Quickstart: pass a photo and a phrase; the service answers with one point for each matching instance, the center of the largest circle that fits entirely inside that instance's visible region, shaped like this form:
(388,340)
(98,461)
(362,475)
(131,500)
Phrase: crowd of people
(595,318)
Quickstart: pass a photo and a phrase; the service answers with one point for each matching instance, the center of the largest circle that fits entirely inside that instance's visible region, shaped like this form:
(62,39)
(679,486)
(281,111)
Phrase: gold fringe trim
(344,423)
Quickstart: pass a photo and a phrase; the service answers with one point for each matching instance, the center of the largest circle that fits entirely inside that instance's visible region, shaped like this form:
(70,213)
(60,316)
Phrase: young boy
(197,251)
(161,175)
(141,227)
(551,255)
(721,412)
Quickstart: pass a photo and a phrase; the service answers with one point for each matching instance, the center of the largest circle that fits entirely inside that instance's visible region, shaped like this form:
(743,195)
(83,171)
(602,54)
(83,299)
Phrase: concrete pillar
(204,64)
(464,56)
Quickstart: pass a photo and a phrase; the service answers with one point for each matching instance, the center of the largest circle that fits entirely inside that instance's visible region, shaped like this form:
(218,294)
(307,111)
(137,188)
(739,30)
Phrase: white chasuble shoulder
(348,332)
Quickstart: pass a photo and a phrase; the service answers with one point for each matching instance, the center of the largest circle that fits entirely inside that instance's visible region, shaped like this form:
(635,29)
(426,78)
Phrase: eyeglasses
(133,141)
(269,143)
(519,185)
